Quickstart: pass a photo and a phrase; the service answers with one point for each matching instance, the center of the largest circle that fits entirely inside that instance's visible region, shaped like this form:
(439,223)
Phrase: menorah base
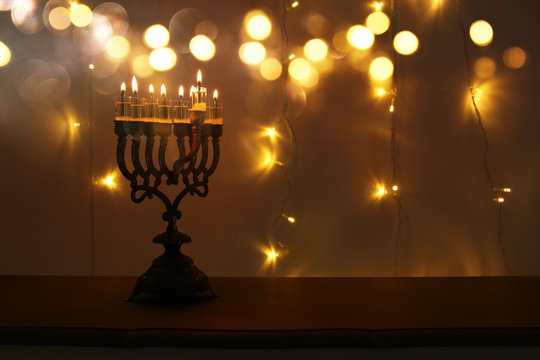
(172,276)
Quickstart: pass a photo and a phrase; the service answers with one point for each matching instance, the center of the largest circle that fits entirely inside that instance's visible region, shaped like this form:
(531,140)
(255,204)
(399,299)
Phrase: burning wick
(181,92)
(134,87)
(151,91)
(163,90)
(123,92)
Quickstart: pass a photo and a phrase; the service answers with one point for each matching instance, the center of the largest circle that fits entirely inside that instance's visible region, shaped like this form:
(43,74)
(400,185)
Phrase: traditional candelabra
(172,275)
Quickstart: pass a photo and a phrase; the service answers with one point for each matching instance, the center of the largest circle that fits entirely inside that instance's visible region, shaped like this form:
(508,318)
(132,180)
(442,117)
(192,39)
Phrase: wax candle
(151,91)
(123,92)
(134,88)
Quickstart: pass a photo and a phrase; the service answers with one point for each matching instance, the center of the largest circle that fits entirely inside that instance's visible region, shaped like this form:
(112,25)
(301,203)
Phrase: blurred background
(62,63)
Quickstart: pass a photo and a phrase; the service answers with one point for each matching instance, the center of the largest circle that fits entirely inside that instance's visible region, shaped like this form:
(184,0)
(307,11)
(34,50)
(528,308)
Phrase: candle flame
(134,84)
(199,76)
(163,90)
(215,94)
(123,87)
(192,90)
(151,89)
(181,91)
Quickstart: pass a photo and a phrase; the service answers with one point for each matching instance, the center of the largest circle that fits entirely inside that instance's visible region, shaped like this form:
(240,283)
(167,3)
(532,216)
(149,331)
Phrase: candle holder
(172,275)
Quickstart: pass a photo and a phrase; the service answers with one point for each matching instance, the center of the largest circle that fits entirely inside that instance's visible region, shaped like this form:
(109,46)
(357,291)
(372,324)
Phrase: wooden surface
(275,312)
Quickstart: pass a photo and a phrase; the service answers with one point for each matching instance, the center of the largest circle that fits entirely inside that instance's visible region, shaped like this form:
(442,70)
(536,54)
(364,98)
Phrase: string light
(76,124)
(381,92)
(291,219)
(271,132)
(482,34)
(378,5)
(91,66)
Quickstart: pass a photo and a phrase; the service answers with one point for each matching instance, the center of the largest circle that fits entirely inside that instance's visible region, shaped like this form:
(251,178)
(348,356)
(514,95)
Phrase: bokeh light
(5,5)
(311,80)
(112,14)
(514,57)
(340,42)
(299,69)
(270,69)
(101,28)
(378,22)
(481,33)
(484,67)
(5,54)
(59,18)
(40,81)
(381,68)
(163,59)
(360,37)
(405,43)
(26,16)
(141,66)
(182,28)
(252,52)
(258,25)
(207,28)
(80,15)
(117,47)
(156,36)
(202,47)
(316,24)
(316,49)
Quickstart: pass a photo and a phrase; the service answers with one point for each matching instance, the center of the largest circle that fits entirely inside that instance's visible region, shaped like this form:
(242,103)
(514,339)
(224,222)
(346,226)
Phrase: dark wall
(343,134)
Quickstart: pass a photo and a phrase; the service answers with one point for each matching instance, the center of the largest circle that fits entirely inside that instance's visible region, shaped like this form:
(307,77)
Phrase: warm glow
(271,132)
(299,69)
(108,181)
(141,66)
(270,69)
(76,124)
(5,54)
(134,86)
(163,90)
(295,4)
(199,76)
(381,68)
(484,67)
(476,92)
(391,108)
(151,89)
(91,66)
(481,33)
(378,5)
(292,56)
(514,57)
(80,15)
(381,92)
(252,52)
(272,255)
(156,36)
(405,43)
(215,94)
(340,42)
(378,22)
(258,25)
(291,219)
(202,47)
(395,188)
(181,91)
(123,86)
(316,49)
(499,200)
(162,59)
(311,80)
(59,18)
(381,191)
(507,190)
(360,37)
(117,47)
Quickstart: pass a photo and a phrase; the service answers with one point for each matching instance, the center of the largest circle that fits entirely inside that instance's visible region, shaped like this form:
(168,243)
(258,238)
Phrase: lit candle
(151,91)
(199,82)
(192,95)
(181,93)
(134,88)
(163,90)
(215,97)
(123,92)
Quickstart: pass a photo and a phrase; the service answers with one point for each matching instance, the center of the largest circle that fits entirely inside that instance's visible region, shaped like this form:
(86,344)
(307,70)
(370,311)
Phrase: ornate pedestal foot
(172,276)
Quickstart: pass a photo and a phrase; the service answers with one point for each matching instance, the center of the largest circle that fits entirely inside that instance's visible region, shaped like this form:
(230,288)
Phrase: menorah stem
(135,148)
(149,156)
(171,178)
(215,158)
(120,157)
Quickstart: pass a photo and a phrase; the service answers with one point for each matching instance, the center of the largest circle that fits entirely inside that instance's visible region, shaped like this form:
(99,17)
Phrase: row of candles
(163,110)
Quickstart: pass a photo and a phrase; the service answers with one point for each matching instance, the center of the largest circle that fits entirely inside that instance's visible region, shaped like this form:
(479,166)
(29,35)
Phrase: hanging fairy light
(481,33)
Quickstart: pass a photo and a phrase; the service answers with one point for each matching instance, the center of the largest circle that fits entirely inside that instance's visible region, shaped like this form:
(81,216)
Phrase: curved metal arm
(121,158)
(171,178)
(149,156)
(139,170)
(215,159)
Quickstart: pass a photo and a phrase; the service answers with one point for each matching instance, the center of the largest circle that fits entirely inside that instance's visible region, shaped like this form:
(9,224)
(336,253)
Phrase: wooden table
(275,312)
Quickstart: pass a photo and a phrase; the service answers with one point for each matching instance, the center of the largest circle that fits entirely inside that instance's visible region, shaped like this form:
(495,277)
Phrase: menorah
(145,123)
